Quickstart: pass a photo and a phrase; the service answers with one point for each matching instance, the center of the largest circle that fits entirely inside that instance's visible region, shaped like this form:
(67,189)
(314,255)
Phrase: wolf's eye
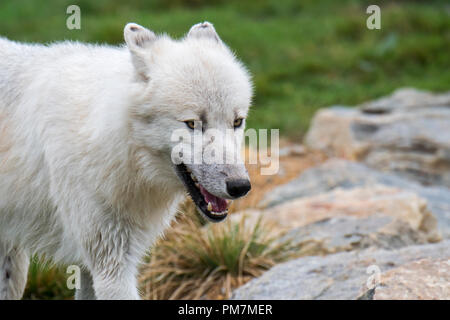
(238,122)
(190,124)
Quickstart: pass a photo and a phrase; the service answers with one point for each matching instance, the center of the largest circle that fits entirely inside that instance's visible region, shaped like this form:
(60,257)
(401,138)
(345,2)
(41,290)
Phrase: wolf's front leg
(112,262)
(116,287)
(13,272)
(115,281)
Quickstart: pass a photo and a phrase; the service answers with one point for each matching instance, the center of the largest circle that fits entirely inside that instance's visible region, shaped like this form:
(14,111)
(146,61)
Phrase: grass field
(303,54)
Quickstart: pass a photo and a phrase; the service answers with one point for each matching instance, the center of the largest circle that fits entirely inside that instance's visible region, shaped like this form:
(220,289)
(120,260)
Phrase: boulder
(407,133)
(359,202)
(343,275)
(348,233)
(292,150)
(406,99)
(349,188)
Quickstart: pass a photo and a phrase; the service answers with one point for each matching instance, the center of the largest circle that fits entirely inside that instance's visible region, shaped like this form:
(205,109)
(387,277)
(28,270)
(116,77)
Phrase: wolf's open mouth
(213,207)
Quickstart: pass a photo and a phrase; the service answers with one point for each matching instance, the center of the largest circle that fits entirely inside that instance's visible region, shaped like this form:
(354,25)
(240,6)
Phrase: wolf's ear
(204,30)
(139,40)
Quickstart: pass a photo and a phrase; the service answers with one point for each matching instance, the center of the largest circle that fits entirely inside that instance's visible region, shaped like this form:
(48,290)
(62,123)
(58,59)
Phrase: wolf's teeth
(193,177)
(220,213)
(209,207)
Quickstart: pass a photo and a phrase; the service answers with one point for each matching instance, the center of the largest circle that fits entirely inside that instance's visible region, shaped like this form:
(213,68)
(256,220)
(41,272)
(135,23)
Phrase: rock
(345,176)
(359,202)
(338,234)
(329,131)
(292,150)
(407,133)
(402,283)
(406,99)
(336,276)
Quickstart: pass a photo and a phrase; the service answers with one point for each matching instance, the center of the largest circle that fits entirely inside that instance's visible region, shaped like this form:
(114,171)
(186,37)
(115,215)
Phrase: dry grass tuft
(207,262)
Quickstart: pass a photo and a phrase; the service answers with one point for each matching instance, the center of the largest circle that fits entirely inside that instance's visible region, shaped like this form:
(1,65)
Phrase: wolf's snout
(238,187)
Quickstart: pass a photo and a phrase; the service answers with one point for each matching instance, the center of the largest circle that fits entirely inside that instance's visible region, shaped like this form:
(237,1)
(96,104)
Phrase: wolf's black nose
(238,187)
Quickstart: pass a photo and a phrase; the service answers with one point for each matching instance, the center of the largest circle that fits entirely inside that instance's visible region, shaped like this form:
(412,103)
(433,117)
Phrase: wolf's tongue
(218,204)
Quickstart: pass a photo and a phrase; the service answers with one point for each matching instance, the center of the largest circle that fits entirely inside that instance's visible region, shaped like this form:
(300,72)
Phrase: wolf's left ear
(139,40)
(204,30)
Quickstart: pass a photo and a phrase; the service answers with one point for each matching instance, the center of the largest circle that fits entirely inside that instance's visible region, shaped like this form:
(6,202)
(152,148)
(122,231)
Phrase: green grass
(304,55)
(46,281)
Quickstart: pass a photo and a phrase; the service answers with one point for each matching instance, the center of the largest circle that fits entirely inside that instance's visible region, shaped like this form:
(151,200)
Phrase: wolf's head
(193,101)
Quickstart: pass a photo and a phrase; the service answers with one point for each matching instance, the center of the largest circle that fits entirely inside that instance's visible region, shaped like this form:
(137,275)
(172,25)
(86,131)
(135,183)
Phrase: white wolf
(86,175)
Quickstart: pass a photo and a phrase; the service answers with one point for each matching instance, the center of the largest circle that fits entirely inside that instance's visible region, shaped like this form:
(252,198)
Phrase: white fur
(85,170)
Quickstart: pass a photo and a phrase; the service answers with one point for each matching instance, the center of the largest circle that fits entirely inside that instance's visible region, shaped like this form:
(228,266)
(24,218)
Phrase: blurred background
(303,55)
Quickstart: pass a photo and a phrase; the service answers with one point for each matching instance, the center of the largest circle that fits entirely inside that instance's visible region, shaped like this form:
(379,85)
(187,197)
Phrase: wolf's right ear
(139,40)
